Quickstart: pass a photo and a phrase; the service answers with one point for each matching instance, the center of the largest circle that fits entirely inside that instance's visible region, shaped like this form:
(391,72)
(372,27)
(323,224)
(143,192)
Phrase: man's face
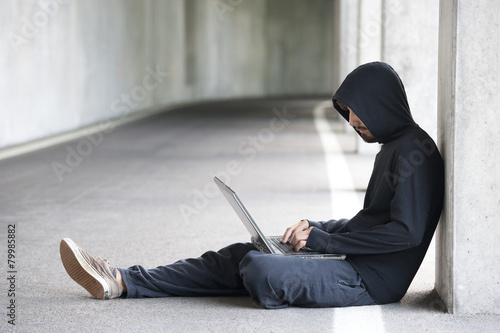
(355,122)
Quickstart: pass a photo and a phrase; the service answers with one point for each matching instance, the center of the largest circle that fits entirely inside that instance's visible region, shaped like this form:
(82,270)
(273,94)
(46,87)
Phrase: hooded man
(385,242)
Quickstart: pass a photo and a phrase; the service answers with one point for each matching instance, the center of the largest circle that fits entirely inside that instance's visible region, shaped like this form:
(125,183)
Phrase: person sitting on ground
(384,243)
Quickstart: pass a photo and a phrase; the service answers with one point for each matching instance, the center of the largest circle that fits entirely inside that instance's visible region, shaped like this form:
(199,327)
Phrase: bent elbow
(414,241)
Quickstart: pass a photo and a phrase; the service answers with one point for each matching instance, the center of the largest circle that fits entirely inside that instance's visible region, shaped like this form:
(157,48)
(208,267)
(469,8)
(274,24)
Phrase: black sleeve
(331,226)
(409,216)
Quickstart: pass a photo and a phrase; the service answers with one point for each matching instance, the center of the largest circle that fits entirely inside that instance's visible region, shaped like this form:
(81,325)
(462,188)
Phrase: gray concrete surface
(468,235)
(123,201)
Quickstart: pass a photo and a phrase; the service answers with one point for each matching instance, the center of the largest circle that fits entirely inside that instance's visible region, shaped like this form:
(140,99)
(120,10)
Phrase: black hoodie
(387,240)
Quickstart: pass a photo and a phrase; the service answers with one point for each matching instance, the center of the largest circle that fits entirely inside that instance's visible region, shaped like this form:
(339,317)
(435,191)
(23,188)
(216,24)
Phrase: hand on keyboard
(297,235)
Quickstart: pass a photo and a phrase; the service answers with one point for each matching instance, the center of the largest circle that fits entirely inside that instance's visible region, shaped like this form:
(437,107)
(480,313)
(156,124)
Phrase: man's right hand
(297,234)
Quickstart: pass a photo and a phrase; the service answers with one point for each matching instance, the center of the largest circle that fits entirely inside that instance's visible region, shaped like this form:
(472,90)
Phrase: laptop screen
(242,212)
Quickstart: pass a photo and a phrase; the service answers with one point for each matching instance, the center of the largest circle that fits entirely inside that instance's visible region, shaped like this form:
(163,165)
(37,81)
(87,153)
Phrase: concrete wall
(410,45)
(468,262)
(67,64)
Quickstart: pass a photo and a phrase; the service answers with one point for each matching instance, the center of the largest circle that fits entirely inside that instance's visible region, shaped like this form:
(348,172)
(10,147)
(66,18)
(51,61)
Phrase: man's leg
(214,273)
(273,281)
(276,281)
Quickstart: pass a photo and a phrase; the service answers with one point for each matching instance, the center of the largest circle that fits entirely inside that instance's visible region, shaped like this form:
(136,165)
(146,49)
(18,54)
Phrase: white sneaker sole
(81,271)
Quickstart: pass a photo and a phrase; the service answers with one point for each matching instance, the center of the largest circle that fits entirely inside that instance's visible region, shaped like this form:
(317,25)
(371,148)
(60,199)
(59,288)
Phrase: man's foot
(92,273)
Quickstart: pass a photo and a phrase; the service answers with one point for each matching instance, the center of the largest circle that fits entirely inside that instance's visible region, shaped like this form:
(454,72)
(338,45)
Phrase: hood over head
(376,94)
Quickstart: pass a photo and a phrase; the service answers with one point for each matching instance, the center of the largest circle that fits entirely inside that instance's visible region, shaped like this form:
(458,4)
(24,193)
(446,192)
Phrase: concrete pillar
(346,28)
(370,29)
(468,254)
(410,45)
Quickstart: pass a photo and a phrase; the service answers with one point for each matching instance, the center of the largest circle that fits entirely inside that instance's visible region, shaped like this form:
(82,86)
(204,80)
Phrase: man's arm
(410,214)
(298,234)
(331,226)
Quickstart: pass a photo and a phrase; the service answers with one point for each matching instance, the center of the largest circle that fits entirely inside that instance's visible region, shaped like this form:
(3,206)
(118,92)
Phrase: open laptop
(269,244)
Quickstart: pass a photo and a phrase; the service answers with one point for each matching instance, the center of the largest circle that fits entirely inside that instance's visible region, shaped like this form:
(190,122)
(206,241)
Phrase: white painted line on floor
(353,319)
(358,319)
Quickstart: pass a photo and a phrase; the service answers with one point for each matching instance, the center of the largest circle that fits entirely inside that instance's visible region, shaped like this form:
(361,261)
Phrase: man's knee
(261,278)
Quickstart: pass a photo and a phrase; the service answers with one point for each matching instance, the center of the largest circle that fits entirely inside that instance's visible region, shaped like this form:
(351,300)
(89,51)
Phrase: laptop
(269,244)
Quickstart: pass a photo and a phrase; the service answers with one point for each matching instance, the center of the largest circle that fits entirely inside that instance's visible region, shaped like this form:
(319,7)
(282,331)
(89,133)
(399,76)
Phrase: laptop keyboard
(285,248)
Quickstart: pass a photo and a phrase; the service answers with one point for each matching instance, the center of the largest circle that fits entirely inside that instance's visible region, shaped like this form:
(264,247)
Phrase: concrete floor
(143,192)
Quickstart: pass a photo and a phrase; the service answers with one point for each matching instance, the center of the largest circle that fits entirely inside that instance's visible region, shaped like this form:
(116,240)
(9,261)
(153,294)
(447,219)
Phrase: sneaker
(92,273)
